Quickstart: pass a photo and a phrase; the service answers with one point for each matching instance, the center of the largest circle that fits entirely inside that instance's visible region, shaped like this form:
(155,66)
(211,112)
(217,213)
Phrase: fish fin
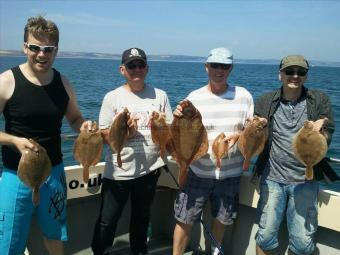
(309,173)
(203,149)
(86,173)
(35,196)
(119,160)
(246,164)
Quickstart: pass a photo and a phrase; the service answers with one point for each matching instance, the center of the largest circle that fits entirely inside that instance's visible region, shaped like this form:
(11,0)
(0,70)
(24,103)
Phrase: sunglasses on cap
(37,48)
(220,66)
(133,65)
(299,72)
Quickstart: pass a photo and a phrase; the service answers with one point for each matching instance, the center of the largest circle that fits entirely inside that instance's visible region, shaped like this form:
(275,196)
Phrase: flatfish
(160,132)
(221,146)
(34,168)
(310,146)
(252,139)
(118,133)
(189,138)
(87,149)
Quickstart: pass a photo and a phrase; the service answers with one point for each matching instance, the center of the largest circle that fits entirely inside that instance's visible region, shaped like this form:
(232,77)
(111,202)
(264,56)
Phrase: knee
(267,240)
(304,246)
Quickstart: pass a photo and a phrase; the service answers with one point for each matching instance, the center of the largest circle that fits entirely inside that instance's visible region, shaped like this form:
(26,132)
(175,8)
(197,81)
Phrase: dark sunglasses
(134,65)
(36,48)
(299,72)
(220,66)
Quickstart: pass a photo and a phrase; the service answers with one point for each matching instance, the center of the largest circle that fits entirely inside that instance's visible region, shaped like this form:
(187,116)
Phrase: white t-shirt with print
(139,154)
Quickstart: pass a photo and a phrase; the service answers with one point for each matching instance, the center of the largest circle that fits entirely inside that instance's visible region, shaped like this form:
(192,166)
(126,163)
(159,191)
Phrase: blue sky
(251,29)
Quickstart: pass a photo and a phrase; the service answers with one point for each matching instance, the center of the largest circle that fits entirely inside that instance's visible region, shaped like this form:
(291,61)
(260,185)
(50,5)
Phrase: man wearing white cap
(224,108)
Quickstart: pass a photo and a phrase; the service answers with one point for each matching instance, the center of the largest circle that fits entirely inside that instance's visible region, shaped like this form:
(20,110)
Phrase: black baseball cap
(133,54)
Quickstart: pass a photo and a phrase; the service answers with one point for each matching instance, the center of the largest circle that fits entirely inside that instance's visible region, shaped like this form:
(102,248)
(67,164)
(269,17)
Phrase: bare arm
(73,114)
(7,85)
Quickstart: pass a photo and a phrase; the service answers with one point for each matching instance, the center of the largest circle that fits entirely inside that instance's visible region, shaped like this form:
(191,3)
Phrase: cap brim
(134,58)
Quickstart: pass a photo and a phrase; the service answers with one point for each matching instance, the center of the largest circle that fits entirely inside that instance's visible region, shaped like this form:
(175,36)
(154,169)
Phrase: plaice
(118,133)
(87,149)
(34,168)
(190,138)
(252,139)
(309,145)
(221,146)
(160,133)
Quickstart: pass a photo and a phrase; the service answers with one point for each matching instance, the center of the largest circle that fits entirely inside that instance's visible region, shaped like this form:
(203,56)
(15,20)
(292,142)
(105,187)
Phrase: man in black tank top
(50,99)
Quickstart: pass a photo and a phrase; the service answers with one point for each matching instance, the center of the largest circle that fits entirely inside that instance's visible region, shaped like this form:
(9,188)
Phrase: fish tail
(246,164)
(119,160)
(309,173)
(182,178)
(218,162)
(35,196)
(162,152)
(86,174)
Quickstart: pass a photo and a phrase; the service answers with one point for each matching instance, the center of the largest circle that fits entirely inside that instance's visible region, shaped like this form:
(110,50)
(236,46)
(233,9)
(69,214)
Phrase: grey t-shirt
(282,166)
(139,155)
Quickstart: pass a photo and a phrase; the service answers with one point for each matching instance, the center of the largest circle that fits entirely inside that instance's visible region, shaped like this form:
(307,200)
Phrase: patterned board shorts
(223,195)
(17,209)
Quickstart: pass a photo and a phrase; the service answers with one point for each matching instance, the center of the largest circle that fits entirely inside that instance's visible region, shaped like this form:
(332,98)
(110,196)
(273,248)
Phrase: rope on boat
(212,238)
(333,160)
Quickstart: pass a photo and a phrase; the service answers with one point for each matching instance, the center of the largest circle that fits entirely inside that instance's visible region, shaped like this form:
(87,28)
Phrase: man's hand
(23,144)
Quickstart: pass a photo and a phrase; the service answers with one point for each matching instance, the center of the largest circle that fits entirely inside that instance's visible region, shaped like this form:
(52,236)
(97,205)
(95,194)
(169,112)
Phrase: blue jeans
(299,202)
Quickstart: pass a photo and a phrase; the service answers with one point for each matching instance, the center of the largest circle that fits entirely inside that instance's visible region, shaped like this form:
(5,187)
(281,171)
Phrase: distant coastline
(163,57)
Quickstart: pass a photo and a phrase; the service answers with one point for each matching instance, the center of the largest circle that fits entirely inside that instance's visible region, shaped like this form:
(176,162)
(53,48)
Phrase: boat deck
(84,203)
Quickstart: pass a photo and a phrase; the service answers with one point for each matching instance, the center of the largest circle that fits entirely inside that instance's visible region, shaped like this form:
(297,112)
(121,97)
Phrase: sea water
(93,78)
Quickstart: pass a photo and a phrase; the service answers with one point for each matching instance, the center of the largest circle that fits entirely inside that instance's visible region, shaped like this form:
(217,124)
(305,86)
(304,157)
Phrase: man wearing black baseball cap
(137,174)
(287,189)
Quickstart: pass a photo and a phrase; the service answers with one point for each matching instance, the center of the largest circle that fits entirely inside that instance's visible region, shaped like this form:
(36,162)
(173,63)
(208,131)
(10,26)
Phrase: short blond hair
(40,27)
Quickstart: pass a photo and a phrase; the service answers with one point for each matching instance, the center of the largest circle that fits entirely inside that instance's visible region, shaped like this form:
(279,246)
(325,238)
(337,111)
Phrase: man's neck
(217,88)
(134,87)
(291,94)
(37,78)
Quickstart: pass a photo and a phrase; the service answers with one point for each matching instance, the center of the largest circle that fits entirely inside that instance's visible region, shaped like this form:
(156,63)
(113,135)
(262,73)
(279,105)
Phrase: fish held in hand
(221,146)
(118,133)
(252,139)
(309,145)
(160,132)
(190,138)
(88,148)
(34,168)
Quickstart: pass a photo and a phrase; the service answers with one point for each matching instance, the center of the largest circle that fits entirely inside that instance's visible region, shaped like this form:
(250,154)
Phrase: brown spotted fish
(118,133)
(221,146)
(87,149)
(34,168)
(309,145)
(252,139)
(190,138)
(160,132)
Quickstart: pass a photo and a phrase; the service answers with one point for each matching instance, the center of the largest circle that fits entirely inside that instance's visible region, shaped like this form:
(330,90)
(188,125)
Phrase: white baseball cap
(220,55)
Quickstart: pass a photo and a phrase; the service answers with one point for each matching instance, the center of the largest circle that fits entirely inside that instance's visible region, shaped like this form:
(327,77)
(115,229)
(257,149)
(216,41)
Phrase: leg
(270,211)
(302,217)
(114,195)
(54,247)
(218,232)
(142,194)
(188,208)
(16,209)
(181,237)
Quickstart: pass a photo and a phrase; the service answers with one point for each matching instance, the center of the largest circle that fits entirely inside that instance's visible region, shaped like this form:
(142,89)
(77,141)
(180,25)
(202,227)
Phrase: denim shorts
(223,195)
(17,209)
(299,203)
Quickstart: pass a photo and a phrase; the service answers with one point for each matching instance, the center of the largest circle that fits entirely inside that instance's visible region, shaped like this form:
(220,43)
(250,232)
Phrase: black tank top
(35,112)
